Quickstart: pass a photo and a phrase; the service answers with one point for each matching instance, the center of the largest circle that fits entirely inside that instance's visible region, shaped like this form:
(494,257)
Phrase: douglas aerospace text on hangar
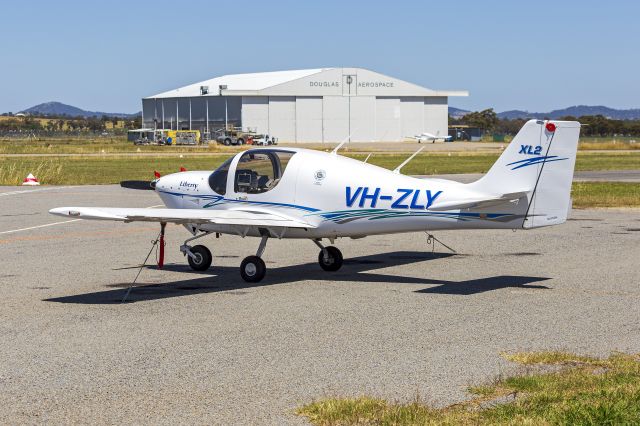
(314,105)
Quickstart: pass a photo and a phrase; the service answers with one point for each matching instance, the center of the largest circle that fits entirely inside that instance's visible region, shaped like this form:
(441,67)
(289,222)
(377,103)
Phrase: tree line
(592,125)
(64,124)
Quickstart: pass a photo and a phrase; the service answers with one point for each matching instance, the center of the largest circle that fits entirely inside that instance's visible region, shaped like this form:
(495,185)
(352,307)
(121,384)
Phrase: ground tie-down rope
(144,263)
(431,239)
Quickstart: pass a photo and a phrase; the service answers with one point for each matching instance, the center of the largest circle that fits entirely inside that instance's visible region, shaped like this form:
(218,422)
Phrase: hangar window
(218,179)
(261,170)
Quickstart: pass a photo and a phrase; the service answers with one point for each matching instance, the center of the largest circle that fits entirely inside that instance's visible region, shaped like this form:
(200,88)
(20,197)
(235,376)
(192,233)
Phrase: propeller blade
(137,184)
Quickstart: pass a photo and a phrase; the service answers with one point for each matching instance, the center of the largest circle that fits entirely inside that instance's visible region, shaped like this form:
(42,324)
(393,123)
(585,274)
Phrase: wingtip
(64,211)
(58,211)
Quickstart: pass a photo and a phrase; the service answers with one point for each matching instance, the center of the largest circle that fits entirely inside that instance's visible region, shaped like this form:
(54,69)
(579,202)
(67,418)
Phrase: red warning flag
(182,169)
(156,174)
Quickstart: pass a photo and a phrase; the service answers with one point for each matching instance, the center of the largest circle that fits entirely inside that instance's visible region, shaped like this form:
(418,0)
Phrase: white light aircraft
(426,137)
(299,193)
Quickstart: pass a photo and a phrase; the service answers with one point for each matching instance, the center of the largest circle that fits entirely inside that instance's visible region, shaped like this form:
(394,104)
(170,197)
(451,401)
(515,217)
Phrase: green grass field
(556,388)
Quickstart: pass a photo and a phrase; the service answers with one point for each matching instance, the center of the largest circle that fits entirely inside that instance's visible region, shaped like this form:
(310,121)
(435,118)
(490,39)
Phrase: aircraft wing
(183,216)
(479,202)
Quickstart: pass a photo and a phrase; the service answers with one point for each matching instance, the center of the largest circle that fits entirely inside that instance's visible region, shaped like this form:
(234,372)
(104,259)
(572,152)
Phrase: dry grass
(583,391)
(99,145)
(609,145)
(605,194)
(47,171)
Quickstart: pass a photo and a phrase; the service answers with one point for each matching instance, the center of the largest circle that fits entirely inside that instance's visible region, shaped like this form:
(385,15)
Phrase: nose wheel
(200,258)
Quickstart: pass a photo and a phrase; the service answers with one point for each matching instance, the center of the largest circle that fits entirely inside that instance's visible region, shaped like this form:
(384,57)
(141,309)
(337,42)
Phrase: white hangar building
(314,105)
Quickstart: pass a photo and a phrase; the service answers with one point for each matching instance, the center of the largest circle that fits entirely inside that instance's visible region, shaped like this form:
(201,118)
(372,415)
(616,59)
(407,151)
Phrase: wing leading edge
(182,216)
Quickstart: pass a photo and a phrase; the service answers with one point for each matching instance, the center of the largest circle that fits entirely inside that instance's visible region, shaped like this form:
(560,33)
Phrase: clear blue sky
(537,55)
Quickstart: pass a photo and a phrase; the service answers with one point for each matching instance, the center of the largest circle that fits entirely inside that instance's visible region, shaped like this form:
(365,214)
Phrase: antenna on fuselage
(345,140)
(367,159)
(404,163)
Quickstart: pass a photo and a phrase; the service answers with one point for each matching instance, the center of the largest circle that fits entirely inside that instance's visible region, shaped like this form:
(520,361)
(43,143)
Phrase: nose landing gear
(199,257)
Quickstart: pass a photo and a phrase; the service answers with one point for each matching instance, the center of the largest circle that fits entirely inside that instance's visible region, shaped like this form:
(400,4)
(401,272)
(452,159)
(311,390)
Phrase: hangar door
(309,119)
(349,116)
(388,119)
(282,117)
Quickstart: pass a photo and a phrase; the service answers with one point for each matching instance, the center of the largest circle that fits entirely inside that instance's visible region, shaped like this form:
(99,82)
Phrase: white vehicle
(265,140)
(426,137)
(300,193)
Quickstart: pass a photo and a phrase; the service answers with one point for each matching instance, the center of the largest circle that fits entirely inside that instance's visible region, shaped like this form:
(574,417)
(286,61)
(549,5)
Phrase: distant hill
(58,108)
(457,112)
(575,111)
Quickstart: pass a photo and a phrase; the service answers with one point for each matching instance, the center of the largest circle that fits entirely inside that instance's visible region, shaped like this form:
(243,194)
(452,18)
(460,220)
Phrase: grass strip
(554,388)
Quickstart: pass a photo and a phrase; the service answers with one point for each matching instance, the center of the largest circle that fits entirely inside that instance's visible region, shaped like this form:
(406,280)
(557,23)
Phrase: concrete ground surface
(395,322)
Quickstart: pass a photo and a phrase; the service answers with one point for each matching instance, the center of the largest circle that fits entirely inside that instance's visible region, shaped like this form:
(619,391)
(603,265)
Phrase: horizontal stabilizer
(480,202)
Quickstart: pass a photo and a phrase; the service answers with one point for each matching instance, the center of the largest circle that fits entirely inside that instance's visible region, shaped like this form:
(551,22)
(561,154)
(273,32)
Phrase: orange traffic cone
(30,181)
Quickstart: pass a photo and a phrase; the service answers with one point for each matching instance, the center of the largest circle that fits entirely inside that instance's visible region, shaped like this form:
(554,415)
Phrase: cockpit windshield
(260,171)
(218,179)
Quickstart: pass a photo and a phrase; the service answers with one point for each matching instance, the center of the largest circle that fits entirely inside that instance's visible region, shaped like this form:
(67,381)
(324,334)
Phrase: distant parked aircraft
(426,137)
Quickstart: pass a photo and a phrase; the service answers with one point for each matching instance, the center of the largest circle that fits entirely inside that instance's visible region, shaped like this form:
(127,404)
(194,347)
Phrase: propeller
(138,184)
(144,185)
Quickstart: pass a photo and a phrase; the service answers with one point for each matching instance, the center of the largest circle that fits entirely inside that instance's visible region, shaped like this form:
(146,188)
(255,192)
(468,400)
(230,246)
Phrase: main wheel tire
(240,141)
(334,259)
(227,141)
(202,259)
(252,269)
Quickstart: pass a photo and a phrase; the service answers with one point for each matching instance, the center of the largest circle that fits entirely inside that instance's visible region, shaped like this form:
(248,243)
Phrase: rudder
(550,202)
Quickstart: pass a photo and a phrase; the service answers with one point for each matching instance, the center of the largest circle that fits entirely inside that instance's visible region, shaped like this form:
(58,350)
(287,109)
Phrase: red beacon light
(550,127)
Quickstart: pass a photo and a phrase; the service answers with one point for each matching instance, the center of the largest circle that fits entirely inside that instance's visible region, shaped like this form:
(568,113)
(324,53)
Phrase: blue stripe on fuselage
(220,198)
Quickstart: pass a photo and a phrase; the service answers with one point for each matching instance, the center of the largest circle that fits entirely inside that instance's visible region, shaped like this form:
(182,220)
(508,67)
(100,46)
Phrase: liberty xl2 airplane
(300,193)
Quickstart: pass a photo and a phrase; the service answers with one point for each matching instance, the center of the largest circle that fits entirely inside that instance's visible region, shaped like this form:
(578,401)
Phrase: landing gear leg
(329,258)
(252,268)
(199,257)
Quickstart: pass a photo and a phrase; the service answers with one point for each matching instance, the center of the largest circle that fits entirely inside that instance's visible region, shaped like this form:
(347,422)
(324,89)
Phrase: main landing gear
(253,268)
(329,258)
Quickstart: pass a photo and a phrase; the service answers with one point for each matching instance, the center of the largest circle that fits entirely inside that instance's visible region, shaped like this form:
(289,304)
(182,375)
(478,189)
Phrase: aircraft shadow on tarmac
(227,279)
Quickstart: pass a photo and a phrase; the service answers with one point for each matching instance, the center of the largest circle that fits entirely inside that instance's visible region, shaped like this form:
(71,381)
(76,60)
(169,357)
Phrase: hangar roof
(308,82)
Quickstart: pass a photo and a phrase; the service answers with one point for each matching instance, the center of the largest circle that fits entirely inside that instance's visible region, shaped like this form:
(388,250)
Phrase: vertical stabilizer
(540,162)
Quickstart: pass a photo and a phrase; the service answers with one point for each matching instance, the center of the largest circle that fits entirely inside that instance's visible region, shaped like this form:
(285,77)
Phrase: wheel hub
(250,269)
